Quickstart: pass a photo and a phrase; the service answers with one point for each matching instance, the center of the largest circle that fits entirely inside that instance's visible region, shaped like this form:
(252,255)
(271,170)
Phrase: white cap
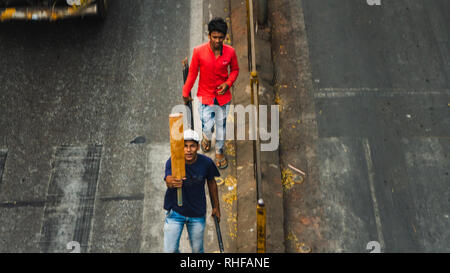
(191,135)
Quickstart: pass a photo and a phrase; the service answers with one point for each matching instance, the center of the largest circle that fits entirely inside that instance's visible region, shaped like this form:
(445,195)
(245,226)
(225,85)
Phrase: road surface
(74,94)
(381,93)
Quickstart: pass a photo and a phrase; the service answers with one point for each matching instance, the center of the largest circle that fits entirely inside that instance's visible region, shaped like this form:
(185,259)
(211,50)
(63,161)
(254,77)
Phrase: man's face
(190,150)
(216,40)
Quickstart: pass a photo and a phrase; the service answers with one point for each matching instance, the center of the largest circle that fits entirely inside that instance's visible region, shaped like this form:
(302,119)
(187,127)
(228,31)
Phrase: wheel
(102,8)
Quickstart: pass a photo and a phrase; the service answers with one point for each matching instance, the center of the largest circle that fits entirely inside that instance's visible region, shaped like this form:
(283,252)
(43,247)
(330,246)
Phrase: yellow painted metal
(87,7)
(7,14)
(254,85)
(261,228)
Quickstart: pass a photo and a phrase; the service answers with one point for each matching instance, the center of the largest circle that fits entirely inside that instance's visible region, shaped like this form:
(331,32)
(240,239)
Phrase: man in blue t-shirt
(199,168)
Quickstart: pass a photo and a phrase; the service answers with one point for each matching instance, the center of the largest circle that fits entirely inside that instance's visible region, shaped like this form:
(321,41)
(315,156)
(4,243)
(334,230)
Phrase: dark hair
(218,24)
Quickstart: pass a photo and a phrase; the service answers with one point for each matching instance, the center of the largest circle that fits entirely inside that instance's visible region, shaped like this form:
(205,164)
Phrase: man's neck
(215,51)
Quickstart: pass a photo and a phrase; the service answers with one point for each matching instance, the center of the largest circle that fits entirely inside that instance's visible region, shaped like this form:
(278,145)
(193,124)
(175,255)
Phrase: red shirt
(213,72)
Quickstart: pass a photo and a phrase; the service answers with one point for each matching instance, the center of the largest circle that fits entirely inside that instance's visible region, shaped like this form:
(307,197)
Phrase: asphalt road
(381,77)
(73,95)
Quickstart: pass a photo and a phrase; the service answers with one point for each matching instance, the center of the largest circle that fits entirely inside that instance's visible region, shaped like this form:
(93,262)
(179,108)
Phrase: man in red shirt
(219,69)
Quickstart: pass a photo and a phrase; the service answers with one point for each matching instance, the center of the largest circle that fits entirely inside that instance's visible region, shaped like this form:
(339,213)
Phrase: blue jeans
(215,114)
(173,227)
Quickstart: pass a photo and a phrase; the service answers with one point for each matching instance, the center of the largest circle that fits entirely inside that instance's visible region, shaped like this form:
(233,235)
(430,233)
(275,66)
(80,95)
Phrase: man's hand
(216,212)
(187,99)
(173,183)
(221,89)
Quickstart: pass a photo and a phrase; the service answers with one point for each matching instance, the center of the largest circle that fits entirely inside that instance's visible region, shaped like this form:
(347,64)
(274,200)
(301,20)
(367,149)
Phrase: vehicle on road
(51,10)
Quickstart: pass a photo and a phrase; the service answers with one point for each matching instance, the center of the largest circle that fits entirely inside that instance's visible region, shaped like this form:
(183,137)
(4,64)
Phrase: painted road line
(377,92)
(70,200)
(371,175)
(155,187)
(154,190)
(428,169)
(196,39)
(348,213)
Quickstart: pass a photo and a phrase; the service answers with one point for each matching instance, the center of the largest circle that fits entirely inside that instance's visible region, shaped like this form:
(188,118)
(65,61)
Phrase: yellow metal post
(261,228)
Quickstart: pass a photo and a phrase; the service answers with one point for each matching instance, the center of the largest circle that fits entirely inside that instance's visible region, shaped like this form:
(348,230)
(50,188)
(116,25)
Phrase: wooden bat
(185,75)
(218,232)
(177,151)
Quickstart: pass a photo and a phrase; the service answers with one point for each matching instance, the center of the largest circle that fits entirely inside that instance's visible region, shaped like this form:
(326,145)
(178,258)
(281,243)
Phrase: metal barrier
(254,83)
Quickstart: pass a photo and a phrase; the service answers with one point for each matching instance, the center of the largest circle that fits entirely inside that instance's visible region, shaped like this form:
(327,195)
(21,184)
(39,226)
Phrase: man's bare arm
(214,194)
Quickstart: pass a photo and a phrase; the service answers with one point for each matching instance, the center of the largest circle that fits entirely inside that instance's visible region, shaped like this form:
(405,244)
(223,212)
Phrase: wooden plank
(177,150)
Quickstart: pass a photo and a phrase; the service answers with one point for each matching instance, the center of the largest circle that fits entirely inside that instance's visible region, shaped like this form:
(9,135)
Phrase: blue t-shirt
(194,198)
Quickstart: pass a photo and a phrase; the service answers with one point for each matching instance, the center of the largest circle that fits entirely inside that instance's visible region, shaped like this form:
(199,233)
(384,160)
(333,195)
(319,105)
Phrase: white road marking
(426,166)
(380,92)
(71,183)
(155,188)
(196,39)
(371,174)
(337,172)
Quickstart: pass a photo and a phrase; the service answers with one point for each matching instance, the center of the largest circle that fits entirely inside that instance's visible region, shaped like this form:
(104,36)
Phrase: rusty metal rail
(254,83)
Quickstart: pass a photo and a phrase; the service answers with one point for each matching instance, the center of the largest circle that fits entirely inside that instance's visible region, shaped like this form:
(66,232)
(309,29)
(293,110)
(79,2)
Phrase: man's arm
(234,70)
(192,76)
(214,194)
